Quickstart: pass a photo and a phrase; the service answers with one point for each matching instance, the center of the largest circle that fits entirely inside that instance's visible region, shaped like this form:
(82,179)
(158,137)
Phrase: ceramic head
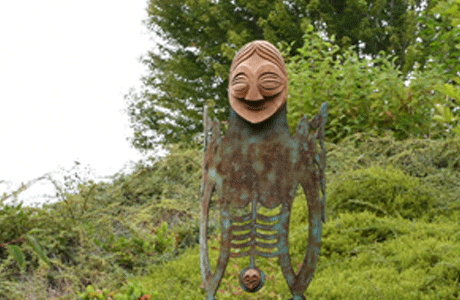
(258,82)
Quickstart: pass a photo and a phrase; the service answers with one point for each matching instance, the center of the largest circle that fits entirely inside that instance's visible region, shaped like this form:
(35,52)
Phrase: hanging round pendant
(252,279)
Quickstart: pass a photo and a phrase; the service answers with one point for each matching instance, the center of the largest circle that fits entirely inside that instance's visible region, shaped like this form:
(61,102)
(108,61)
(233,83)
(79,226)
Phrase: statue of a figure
(256,167)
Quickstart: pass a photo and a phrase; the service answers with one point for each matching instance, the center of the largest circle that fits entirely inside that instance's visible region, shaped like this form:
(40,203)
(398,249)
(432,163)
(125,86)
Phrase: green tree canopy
(368,96)
(200,37)
(439,40)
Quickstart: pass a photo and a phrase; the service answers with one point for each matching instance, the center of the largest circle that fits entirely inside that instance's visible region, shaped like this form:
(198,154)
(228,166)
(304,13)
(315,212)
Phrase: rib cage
(254,234)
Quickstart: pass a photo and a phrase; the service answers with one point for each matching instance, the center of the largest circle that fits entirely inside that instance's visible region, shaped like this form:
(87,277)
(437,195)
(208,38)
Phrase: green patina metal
(261,166)
(257,167)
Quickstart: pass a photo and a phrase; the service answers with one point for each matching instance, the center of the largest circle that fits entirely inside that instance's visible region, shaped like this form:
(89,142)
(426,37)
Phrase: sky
(64,69)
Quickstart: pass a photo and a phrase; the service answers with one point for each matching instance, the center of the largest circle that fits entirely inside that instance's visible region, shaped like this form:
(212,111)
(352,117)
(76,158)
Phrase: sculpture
(256,167)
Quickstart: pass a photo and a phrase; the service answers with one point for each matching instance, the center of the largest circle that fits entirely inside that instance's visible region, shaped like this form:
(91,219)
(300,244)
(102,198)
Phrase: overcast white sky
(64,68)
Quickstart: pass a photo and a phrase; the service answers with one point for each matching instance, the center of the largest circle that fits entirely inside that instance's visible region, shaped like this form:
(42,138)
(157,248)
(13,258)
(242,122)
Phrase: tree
(440,36)
(367,96)
(371,25)
(201,37)
(190,70)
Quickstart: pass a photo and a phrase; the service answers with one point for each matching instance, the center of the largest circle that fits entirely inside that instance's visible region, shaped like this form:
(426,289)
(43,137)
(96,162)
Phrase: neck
(270,128)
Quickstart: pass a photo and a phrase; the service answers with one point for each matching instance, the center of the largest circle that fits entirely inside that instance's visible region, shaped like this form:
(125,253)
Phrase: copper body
(256,167)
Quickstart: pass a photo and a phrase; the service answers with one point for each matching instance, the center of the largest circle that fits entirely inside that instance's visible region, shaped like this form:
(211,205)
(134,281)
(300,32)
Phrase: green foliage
(129,292)
(440,36)
(103,234)
(370,26)
(448,115)
(363,256)
(16,252)
(408,252)
(190,69)
(387,258)
(37,248)
(384,191)
(108,240)
(15,222)
(368,96)
(91,294)
(164,241)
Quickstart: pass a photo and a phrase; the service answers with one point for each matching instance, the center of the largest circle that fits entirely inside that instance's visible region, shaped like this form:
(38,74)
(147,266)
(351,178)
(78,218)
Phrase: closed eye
(270,82)
(240,85)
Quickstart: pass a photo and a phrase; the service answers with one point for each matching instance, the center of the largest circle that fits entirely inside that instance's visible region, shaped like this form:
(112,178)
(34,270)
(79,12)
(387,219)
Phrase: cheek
(239,90)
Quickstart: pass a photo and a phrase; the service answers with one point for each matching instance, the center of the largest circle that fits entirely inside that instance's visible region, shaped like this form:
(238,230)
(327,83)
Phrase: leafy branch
(17,253)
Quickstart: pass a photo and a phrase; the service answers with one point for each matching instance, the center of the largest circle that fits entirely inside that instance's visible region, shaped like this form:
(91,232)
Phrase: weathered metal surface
(259,164)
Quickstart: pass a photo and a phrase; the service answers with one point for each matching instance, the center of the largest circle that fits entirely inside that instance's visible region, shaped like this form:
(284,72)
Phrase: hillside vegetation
(392,231)
(393,165)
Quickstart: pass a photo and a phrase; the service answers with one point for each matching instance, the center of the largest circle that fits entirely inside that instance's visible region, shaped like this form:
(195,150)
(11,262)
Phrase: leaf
(444,115)
(38,249)
(450,90)
(16,252)
(457,130)
(36,230)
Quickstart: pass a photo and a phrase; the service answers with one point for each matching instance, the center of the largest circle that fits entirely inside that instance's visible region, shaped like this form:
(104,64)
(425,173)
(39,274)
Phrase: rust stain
(256,167)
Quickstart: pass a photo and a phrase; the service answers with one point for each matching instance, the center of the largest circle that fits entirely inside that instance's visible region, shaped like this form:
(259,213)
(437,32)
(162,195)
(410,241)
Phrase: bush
(123,239)
(364,95)
(387,192)
(129,292)
(103,234)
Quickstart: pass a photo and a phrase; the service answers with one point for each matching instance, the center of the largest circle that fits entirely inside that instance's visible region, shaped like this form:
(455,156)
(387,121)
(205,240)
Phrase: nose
(253,94)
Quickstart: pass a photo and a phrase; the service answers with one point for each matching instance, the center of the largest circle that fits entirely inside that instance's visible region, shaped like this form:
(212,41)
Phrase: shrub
(387,192)
(364,95)
(120,239)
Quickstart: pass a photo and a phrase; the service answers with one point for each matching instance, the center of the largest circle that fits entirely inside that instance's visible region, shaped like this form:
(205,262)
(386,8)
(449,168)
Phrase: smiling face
(258,83)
